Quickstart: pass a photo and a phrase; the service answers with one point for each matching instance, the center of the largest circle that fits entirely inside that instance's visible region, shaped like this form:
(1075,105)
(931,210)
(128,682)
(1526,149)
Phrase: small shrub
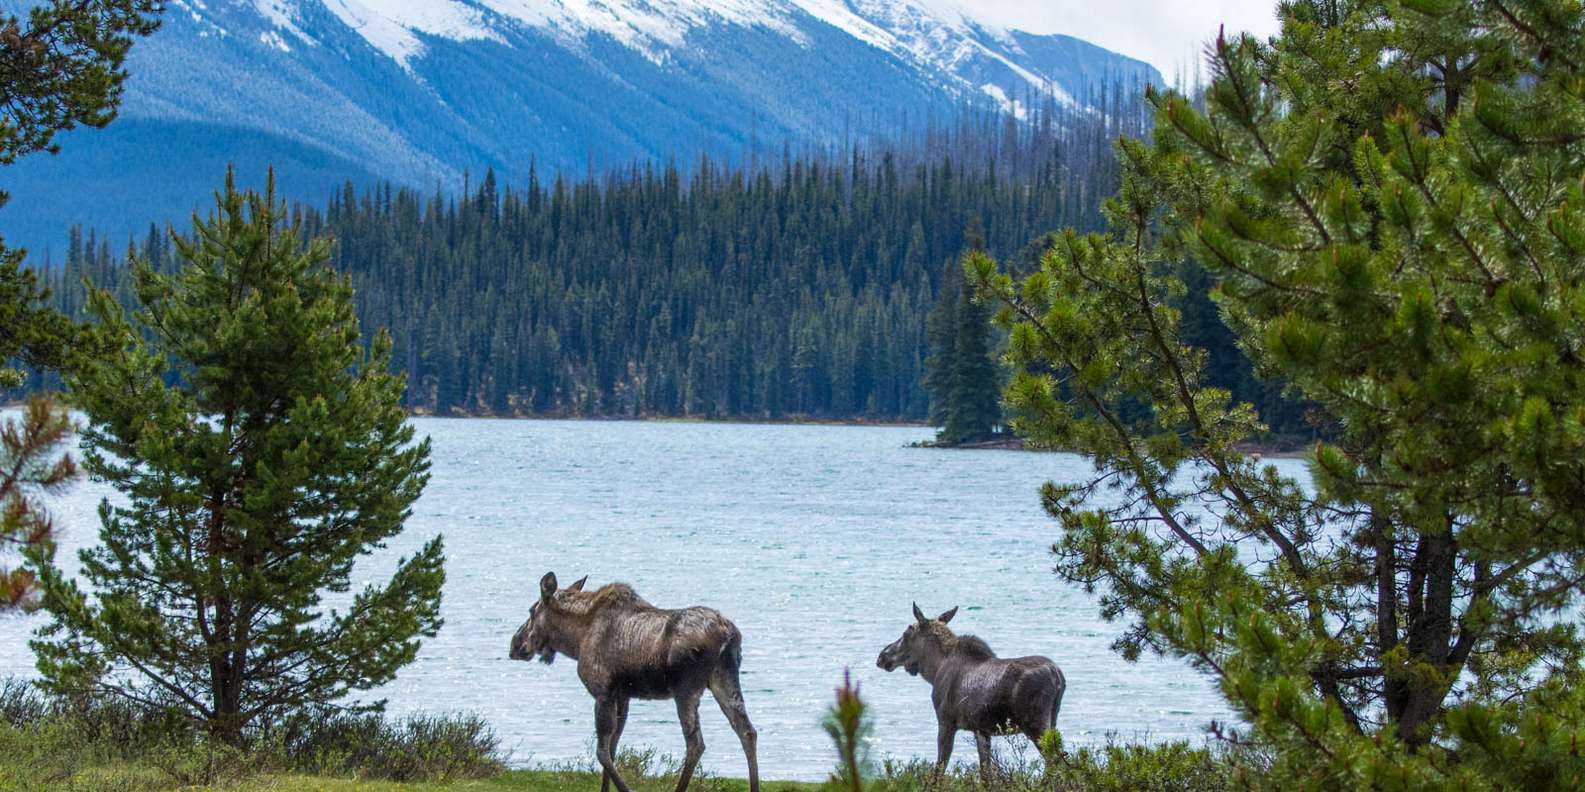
(638,764)
(1167,767)
(203,762)
(21,703)
(73,741)
(96,725)
(1115,767)
(643,768)
(369,745)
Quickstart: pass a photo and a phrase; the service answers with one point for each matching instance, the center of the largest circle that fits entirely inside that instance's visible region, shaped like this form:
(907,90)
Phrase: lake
(813,539)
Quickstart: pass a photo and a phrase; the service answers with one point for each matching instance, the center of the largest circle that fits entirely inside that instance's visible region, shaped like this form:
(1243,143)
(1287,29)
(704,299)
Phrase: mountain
(423,92)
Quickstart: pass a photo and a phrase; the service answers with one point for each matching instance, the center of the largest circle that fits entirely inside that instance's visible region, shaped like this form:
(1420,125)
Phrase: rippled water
(813,539)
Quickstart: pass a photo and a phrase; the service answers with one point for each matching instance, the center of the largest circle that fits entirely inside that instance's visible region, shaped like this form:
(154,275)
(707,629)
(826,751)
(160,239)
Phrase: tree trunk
(1395,690)
(1429,635)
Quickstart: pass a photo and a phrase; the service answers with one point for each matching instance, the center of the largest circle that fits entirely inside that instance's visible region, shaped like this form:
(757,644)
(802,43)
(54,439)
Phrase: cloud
(1169,35)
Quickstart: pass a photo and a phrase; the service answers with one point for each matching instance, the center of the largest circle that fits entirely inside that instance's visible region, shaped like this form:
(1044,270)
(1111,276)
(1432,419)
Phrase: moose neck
(931,658)
(568,626)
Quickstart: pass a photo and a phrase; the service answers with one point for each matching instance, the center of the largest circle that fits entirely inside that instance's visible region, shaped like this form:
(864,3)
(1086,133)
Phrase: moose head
(924,640)
(535,637)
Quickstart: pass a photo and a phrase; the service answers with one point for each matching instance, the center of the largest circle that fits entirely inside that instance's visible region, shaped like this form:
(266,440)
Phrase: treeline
(797,287)
(794,287)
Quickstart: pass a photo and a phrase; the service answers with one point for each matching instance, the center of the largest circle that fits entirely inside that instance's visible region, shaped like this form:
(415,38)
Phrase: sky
(1165,33)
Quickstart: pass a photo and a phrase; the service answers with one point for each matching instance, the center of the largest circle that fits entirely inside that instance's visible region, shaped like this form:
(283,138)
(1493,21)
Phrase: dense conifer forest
(792,285)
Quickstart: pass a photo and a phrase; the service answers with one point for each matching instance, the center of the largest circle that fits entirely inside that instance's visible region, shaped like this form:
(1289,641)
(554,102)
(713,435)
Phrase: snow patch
(394,26)
(273,39)
(650,26)
(1017,108)
(837,14)
(946,37)
(197,10)
(282,15)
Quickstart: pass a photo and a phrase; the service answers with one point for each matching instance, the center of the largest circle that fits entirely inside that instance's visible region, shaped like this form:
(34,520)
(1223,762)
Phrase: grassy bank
(97,743)
(101,744)
(1173,772)
(512,781)
(135,778)
(58,757)
(34,760)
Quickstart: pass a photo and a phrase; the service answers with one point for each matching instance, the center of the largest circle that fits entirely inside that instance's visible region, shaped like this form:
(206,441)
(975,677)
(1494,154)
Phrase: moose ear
(547,586)
(579,585)
(920,615)
(946,617)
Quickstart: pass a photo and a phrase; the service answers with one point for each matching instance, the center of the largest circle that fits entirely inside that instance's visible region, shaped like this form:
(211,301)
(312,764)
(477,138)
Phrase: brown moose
(973,689)
(627,648)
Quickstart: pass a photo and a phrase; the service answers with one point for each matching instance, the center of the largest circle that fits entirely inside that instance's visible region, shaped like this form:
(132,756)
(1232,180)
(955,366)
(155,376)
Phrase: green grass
(510,781)
(1122,769)
(108,745)
(144,777)
(63,755)
(54,756)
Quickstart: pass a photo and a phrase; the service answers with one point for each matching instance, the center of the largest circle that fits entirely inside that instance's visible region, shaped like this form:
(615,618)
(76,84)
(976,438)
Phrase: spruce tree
(261,450)
(961,376)
(1388,200)
(941,329)
(976,409)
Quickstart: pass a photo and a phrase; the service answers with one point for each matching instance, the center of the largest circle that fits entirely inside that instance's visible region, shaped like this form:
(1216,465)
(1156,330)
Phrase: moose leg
(729,695)
(688,714)
(1036,729)
(946,732)
(616,735)
(605,719)
(982,741)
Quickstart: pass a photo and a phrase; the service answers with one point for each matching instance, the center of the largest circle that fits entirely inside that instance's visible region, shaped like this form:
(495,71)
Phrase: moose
(627,648)
(974,689)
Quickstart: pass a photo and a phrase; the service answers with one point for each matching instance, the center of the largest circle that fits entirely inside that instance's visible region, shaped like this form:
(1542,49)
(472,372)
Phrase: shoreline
(682,419)
(1277,450)
(1271,450)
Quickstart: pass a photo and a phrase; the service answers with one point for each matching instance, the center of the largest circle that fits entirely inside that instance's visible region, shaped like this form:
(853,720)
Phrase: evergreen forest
(793,286)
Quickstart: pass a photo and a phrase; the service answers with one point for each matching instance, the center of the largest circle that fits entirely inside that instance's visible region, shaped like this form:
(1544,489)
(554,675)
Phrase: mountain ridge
(422,91)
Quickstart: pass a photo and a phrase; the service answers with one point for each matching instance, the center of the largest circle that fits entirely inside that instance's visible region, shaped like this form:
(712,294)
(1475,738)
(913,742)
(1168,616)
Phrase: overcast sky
(1166,33)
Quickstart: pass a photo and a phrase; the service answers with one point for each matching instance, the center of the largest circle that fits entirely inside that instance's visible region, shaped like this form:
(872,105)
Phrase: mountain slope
(422,91)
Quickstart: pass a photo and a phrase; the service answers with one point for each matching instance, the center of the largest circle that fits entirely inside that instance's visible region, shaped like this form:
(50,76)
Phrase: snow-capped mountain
(421,91)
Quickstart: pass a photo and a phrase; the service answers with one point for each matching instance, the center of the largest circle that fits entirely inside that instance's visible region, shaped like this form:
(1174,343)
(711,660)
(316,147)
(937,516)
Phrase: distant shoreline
(999,444)
(682,419)
(685,419)
(1264,450)
(1268,450)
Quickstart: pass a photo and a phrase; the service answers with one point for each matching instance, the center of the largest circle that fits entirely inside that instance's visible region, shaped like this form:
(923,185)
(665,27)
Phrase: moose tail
(732,652)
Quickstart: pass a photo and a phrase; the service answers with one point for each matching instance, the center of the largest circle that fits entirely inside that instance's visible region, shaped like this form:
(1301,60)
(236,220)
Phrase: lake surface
(813,539)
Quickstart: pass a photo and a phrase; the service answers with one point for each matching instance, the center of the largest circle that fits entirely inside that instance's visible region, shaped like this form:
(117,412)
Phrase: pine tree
(1387,199)
(62,67)
(34,465)
(261,450)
